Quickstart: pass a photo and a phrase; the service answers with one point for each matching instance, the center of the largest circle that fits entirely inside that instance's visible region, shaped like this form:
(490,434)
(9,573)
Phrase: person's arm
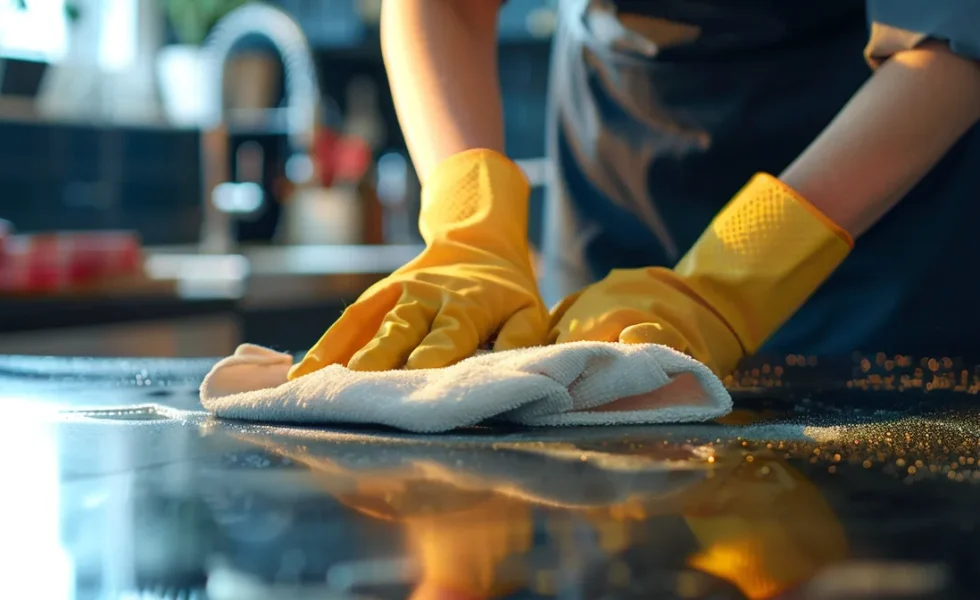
(474,283)
(441,58)
(901,123)
(778,240)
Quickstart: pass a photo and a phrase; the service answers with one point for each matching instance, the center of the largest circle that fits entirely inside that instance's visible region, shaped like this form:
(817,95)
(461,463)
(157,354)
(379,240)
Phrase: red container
(58,261)
(6,230)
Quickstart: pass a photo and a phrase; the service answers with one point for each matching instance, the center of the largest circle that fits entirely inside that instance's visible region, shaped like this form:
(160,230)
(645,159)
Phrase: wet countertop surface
(832,479)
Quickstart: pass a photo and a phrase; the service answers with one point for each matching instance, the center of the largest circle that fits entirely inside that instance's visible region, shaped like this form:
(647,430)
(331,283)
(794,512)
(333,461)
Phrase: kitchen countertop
(832,479)
(260,278)
(274,276)
(33,314)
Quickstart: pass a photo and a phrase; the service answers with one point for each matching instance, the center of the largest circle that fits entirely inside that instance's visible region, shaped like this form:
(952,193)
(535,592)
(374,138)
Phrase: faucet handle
(238,198)
(243,196)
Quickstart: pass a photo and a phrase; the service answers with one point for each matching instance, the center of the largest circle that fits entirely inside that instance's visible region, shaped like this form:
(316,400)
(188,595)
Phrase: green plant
(192,20)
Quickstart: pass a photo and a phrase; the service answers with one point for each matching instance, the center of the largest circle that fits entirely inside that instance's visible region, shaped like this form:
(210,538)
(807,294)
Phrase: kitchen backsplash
(86,177)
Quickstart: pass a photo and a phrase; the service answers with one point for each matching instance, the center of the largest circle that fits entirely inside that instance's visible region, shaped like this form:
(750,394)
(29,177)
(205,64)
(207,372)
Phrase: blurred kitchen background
(179,176)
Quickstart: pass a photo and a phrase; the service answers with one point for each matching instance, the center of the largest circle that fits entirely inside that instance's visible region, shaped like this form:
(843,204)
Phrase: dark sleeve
(898,25)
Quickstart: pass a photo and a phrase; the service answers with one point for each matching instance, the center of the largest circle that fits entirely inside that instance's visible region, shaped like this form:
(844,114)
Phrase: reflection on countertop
(800,493)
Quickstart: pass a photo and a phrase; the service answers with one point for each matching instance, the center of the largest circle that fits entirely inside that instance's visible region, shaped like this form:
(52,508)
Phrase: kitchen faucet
(223,198)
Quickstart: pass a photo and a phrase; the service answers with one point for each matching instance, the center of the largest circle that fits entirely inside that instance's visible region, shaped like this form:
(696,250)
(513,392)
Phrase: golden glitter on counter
(907,447)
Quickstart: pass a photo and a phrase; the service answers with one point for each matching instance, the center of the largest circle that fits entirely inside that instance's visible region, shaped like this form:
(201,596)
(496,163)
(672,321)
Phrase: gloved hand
(761,257)
(473,280)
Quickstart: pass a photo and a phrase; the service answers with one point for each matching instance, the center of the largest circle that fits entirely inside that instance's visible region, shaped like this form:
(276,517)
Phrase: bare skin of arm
(892,132)
(441,58)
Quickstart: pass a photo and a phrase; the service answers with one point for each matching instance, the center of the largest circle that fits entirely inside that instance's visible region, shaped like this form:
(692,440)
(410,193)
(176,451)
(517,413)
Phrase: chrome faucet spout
(301,110)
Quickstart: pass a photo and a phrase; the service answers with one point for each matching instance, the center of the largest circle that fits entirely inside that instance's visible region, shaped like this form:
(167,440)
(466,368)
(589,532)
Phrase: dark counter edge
(18,315)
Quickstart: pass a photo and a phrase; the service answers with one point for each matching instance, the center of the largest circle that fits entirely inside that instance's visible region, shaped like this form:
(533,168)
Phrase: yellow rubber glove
(757,262)
(473,554)
(473,280)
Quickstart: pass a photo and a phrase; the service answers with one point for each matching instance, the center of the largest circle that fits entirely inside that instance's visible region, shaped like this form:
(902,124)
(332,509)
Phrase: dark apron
(660,110)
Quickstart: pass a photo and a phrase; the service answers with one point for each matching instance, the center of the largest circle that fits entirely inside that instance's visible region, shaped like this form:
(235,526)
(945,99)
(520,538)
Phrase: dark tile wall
(83,178)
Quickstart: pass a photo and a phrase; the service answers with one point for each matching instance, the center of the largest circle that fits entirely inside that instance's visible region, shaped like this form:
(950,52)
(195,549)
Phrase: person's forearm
(441,58)
(891,133)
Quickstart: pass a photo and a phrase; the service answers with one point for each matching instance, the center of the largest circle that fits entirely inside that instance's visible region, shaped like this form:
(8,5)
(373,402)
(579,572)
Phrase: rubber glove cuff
(761,257)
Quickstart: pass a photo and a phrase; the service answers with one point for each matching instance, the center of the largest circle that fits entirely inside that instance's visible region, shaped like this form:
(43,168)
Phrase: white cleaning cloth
(584,383)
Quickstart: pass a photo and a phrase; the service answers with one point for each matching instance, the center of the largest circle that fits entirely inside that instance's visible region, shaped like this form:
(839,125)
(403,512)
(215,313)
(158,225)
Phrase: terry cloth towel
(583,383)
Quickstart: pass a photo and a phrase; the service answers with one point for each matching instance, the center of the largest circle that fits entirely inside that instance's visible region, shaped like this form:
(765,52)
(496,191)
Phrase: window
(33,29)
